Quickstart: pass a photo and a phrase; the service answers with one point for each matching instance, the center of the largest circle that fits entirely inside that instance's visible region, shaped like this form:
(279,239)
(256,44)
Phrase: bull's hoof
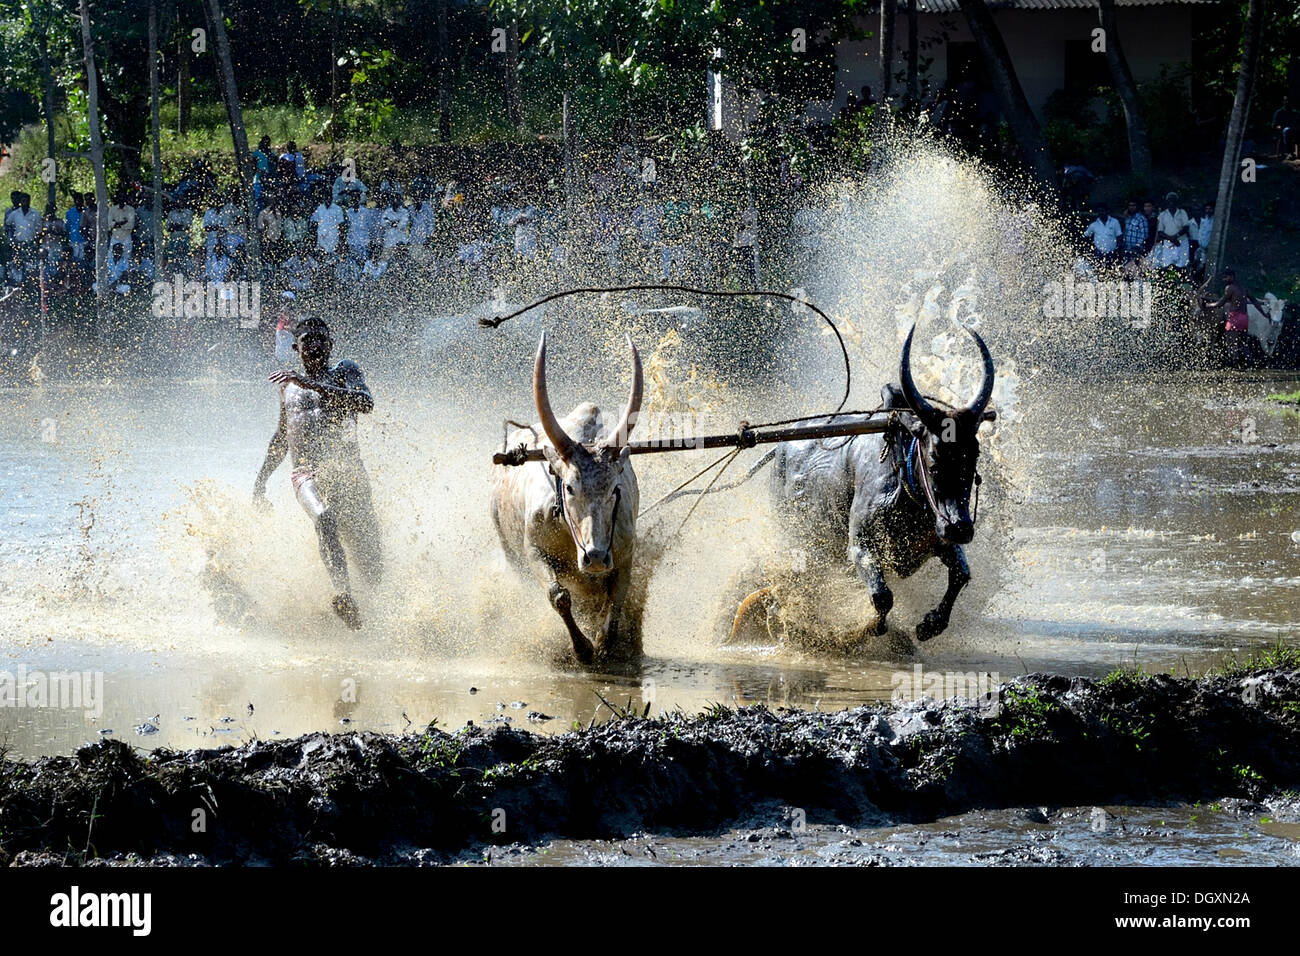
(933,625)
(876,628)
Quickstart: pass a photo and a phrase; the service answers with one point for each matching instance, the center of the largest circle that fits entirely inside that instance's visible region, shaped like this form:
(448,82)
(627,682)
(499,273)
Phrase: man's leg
(331,547)
(360,525)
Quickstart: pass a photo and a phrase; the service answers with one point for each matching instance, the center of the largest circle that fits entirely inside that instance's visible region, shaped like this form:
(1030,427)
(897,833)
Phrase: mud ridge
(437,796)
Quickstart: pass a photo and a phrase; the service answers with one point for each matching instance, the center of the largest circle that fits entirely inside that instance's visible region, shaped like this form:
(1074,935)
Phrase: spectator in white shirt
(121,222)
(1201,235)
(423,221)
(1172,235)
(361,229)
(23,223)
(299,270)
(1105,232)
(270,223)
(328,218)
(396,220)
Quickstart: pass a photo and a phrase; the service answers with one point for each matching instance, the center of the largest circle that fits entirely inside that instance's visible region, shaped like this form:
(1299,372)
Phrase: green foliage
(1280,655)
(1124,678)
(367,107)
(1024,713)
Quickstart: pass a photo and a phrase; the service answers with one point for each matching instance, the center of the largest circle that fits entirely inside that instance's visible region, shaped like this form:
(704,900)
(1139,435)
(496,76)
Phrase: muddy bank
(1037,741)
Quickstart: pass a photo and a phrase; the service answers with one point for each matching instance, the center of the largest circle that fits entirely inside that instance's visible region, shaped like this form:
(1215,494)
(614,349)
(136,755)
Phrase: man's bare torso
(322,431)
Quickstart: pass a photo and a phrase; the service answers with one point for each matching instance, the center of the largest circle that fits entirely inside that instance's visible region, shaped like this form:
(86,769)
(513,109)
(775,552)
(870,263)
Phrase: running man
(1237,327)
(318,430)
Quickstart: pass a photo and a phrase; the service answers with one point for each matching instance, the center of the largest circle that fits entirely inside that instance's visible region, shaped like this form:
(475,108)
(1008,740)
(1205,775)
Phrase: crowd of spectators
(341,236)
(1145,237)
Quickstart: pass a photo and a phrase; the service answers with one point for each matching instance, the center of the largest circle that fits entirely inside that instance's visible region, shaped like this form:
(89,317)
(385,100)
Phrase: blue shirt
(73,219)
(1135,232)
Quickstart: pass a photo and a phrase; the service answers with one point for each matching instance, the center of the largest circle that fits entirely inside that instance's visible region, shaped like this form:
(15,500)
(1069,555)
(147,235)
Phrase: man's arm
(275,453)
(354,394)
(1227,296)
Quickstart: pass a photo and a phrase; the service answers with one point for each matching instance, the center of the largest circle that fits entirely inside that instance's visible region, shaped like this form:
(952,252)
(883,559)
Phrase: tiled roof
(951,6)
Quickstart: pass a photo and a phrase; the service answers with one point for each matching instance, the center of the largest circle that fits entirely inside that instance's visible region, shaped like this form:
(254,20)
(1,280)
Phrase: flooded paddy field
(1137,511)
(1159,534)
(1151,534)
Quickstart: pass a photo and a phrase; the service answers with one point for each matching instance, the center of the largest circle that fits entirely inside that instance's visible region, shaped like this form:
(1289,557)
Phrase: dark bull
(898,498)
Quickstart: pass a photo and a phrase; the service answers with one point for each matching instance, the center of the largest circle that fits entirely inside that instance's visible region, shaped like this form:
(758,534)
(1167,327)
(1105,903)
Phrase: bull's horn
(930,416)
(618,437)
(976,408)
(564,445)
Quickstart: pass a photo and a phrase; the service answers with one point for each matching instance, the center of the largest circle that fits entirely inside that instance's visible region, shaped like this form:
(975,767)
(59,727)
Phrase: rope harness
(913,464)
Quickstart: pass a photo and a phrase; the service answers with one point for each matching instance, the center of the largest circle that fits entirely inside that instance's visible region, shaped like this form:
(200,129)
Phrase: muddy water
(1132,520)
(1181,835)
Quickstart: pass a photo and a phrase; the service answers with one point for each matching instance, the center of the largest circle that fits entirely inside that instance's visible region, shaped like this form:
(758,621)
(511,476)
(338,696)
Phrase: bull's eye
(568,490)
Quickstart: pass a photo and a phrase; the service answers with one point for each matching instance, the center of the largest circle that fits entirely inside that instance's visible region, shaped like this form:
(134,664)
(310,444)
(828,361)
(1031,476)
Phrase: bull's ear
(624,456)
(552,458)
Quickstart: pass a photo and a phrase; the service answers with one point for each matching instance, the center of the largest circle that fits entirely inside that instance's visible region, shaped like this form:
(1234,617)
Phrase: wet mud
(439,797)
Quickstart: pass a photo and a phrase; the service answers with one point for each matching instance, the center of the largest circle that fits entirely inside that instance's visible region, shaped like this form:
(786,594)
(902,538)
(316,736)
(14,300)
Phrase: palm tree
(1139,151)
(96,153)
(42,30)
(155,134)
(1011,96)
(1230,169)
(235,116)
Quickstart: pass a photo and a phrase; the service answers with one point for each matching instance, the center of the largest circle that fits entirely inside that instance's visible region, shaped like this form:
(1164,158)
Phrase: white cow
(571,520)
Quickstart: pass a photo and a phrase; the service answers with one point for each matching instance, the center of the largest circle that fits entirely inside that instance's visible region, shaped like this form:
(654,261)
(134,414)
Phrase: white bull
(570,521)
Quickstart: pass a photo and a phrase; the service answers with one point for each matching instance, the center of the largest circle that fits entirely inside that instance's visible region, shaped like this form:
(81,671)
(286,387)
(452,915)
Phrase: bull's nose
(595,562)
(959,532)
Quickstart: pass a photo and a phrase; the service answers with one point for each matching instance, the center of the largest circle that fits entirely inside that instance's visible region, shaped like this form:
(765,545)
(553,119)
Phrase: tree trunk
(183,99)
(96,154)
(1231,167)
(1139,152)
(444,82)
(514,108)
(334,71)
(567,133)
(1011,97)
(913,54)
(47,104)
(235,116)
(155,133)
(888,14)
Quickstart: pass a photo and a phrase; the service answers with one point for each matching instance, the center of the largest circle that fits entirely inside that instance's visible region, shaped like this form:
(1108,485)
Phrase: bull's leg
(864,562)
(563,604)
(934,623)
(617,582)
